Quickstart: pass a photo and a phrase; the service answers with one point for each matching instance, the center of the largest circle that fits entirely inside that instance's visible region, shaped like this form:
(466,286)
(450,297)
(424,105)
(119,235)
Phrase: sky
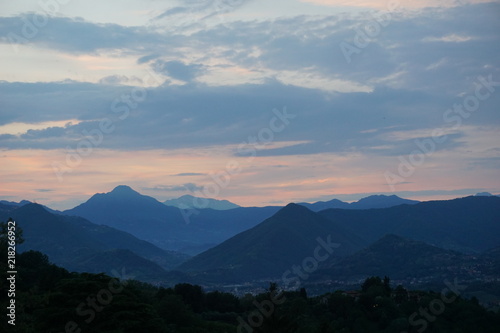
(257,102)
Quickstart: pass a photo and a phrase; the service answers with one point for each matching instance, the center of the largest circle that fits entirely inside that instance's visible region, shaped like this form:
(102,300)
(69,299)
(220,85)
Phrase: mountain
(127,210)
(189,231)
(381,201)
(400,258)
(468,225)
(190,202)
(72,241)
(373,201)
(13,203)
(437,230)
(322,205)
(272,247)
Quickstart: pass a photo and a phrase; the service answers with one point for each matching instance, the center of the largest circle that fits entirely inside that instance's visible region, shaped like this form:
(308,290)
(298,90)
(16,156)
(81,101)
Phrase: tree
(9,231)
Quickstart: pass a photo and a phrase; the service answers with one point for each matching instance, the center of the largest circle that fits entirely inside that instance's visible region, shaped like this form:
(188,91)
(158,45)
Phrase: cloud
(120,79)
(398,80)
(189,174)
(148,58)
(178,70)
(175,188)
(448,39)
(383,4)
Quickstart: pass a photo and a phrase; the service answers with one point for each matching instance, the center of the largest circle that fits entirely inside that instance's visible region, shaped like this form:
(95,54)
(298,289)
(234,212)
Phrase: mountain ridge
(69,241)
(191,202)
(271,247)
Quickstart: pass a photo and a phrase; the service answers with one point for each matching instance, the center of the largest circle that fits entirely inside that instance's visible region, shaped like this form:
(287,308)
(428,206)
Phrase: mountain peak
(188,201)
(123,189)
(33,208)
(483,194)
(294,209)
(381,201)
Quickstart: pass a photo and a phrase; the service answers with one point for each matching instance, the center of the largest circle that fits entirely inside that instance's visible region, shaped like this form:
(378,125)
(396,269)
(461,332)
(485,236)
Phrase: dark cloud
(414,82)
(204,9)
(178,70)
(78,36)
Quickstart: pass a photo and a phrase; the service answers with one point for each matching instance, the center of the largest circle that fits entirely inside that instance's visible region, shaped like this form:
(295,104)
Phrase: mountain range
(190,230)
(466,225)
(79,245)
(373,201)
(191,202)
(401,258)
(171,228)
(273,246)
(124,228)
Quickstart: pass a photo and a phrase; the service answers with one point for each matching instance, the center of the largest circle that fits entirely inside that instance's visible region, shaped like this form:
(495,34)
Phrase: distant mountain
(381,201)
(272,247)
(400,258)
(370,202)
(486,194)
(13,203)
(190,231)
(266,251)
(72,241)
(322,205)
(189,202)
(127,210)
(25,202)
(468,225)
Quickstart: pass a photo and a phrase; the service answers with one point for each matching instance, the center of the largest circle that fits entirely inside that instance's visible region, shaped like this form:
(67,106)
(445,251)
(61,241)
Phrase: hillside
(71,241)
(468,225)
(272,247)
(170,228)
(400,258)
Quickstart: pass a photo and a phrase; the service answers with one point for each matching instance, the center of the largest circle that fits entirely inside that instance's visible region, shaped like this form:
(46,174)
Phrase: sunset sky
(255,101)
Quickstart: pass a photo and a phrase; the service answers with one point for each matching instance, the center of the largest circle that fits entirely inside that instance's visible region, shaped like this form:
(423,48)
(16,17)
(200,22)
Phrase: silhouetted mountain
(13,203)
(188,202)
(322,205)
(190,231)
(373,201)
(127,210)
(400,258)
(71,241)
(470,224)
(483,194)
(381,201)
(25,202)
(271,248)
